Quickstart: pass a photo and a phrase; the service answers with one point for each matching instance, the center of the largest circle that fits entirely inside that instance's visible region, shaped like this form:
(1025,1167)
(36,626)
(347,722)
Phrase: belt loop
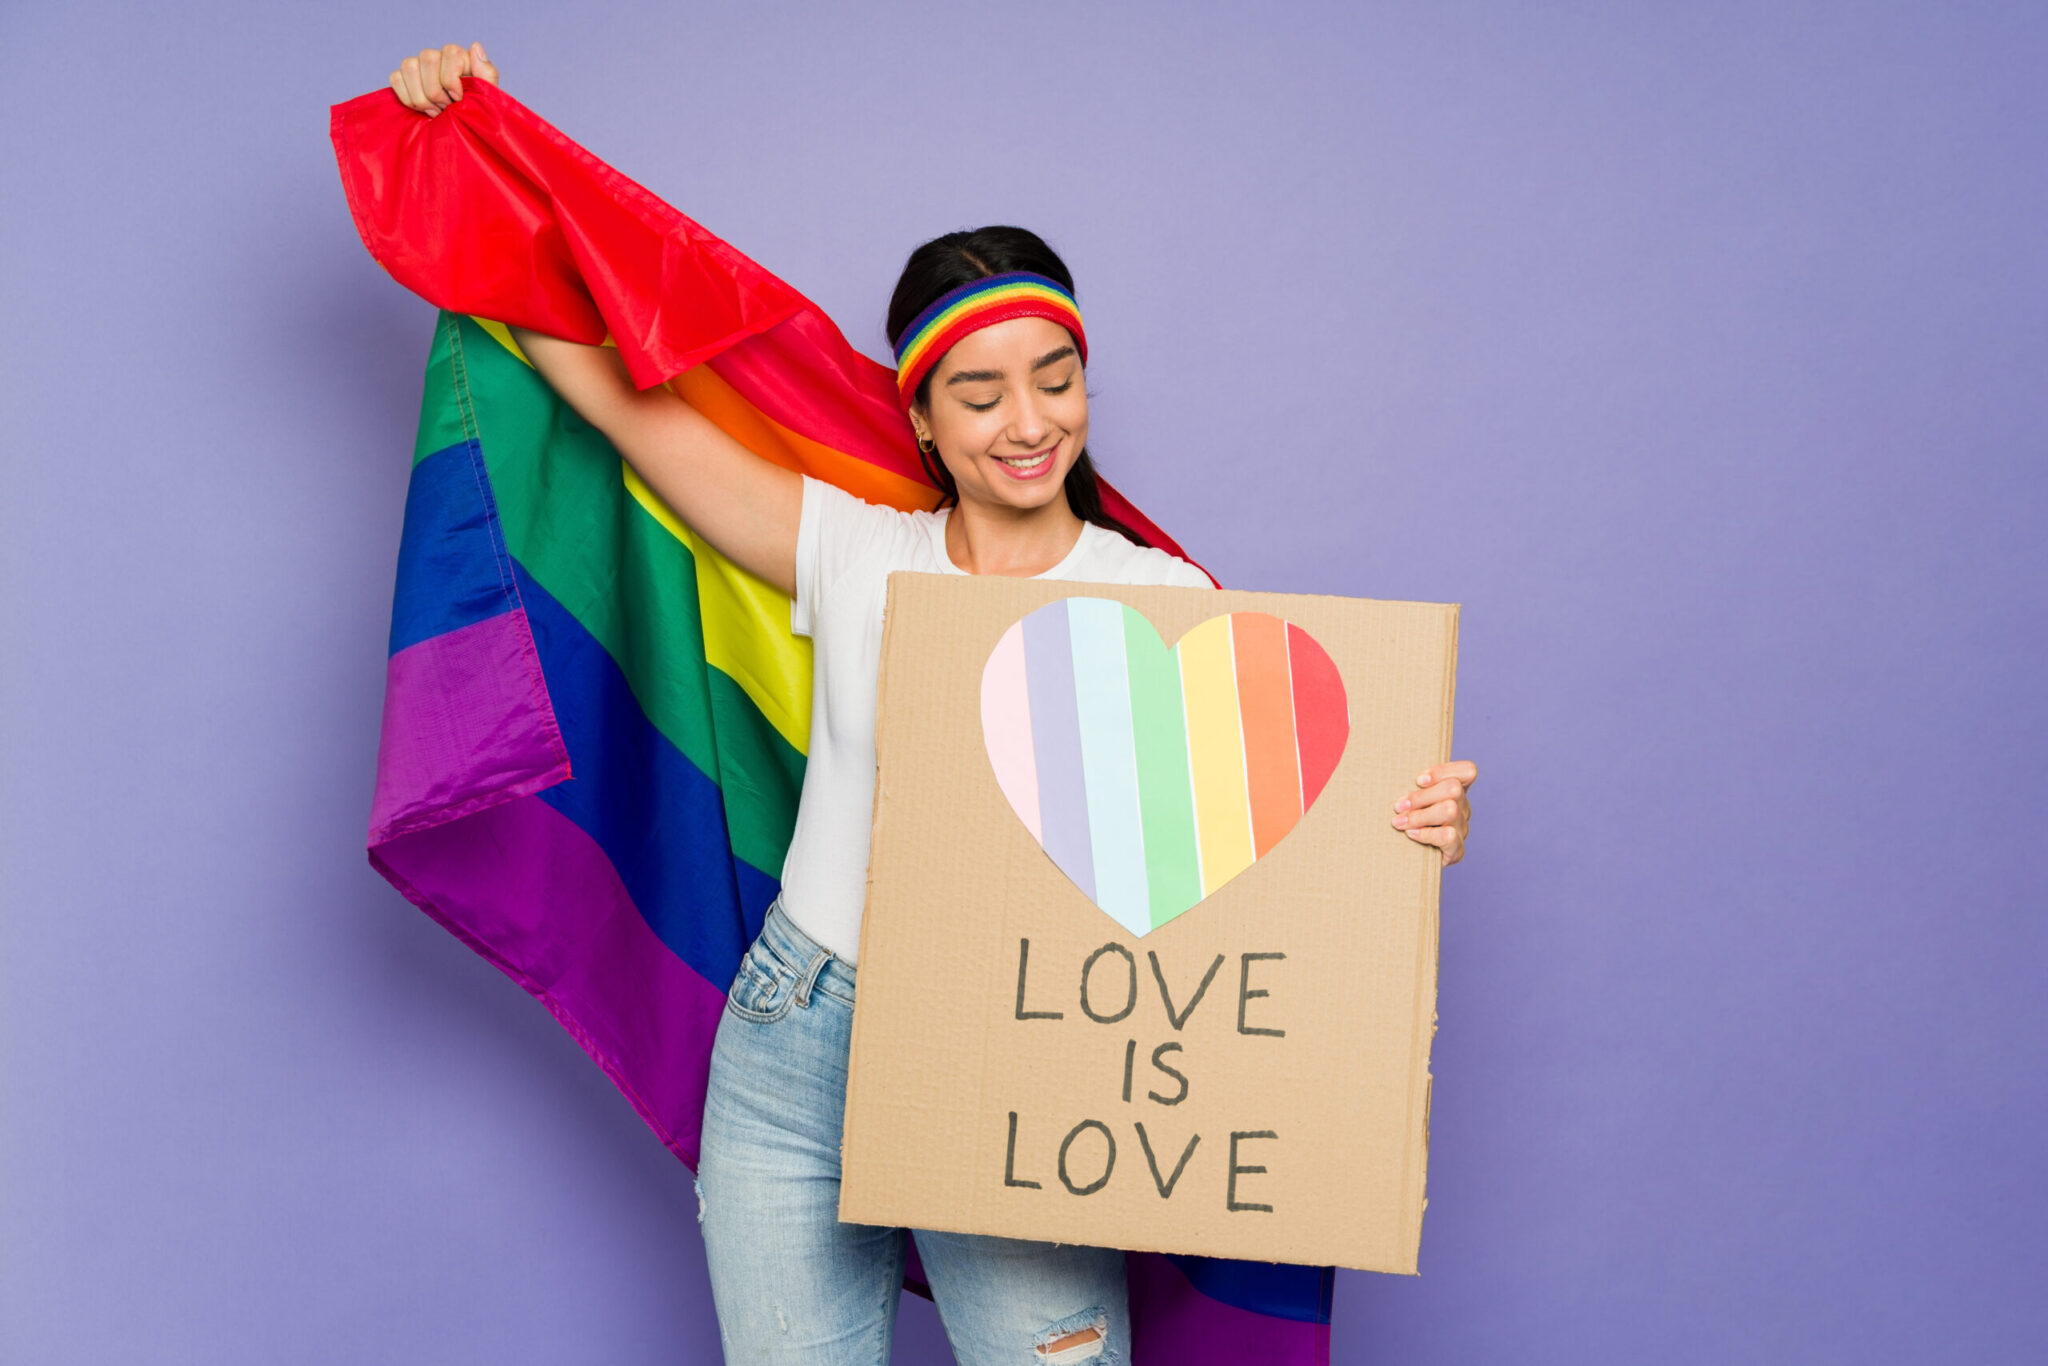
(803,988)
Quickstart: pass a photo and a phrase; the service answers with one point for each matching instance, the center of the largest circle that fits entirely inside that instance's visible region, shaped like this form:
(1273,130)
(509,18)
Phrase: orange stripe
(1266,701)
(770,440)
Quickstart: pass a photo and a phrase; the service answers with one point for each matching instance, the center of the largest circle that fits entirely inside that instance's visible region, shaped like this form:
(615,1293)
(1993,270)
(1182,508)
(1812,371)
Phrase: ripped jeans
(795,1285)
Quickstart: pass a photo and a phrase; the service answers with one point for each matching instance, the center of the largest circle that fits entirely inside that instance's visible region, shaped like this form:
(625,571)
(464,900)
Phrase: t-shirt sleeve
(1156,567)
(834,531)
(1181,574)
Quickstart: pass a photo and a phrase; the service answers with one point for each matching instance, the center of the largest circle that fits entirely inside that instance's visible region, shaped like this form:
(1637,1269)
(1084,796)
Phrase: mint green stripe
(1159,724)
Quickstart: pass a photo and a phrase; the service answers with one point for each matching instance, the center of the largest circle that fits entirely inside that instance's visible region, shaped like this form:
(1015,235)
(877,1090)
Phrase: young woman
(990,353)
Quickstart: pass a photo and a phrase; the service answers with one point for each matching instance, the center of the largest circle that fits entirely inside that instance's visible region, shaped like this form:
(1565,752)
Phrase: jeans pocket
(763,989)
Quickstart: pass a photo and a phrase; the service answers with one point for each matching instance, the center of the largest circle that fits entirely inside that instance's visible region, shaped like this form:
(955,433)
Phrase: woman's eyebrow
(978,376)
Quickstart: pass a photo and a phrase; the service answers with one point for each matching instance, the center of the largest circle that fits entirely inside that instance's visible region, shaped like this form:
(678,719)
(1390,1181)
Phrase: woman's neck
(987,538)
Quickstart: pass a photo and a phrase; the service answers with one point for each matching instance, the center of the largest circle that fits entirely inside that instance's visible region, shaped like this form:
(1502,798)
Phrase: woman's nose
(1028,429)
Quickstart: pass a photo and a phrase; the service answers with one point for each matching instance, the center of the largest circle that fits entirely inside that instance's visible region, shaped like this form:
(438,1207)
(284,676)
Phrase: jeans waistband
(811,960)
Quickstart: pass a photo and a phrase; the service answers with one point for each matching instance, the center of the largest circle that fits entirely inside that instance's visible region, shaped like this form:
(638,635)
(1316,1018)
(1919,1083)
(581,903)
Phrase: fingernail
(1422,781)
(1403,804)
(1400,822)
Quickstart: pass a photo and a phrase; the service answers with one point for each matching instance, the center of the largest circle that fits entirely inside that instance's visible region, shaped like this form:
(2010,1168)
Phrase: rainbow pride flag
(594,725)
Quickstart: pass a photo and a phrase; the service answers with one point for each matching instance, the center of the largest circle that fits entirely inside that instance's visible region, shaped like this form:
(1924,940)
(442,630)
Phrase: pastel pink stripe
(525,887)
(1006,727)
(467,724)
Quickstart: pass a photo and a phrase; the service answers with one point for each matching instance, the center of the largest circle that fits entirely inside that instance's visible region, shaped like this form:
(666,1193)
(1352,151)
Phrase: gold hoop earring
(928,447)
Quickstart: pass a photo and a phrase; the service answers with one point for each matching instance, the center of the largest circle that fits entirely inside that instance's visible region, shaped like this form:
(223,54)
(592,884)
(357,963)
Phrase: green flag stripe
(570,521)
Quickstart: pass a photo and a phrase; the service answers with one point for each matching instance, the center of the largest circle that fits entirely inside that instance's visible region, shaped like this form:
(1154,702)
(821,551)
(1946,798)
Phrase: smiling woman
(990,351)
(993,381)
(988,319)
(991,356)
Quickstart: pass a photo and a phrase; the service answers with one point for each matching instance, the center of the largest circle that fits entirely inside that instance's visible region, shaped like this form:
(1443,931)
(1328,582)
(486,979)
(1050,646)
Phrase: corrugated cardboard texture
(1338,1098)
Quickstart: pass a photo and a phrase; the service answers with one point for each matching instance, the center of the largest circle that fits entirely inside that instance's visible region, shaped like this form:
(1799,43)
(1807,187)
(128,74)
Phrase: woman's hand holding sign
(1438,811)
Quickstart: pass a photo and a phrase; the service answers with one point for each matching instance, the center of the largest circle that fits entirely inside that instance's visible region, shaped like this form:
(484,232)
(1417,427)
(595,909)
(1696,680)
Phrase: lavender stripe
(467,724)
(525,887)
(1056,736)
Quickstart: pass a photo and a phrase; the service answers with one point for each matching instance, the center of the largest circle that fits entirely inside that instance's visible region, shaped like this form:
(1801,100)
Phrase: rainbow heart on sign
(1154,776)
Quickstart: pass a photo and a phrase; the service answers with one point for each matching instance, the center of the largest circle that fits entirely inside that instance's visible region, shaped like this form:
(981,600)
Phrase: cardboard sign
(1144,964)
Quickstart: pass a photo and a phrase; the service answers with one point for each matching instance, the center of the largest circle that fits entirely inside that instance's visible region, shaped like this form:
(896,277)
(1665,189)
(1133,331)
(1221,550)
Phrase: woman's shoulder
(837,513)
(840,537)
(1118,559)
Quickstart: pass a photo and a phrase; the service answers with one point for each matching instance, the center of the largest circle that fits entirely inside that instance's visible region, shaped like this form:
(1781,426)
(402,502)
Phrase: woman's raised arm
(744,506)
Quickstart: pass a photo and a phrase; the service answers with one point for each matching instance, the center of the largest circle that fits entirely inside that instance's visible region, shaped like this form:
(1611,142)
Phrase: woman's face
(1008,412)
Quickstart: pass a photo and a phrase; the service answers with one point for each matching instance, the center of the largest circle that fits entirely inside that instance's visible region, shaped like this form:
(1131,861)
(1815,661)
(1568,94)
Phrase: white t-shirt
(845,551)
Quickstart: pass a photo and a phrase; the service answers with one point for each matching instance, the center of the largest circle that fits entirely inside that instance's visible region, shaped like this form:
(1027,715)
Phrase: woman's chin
(1030,497)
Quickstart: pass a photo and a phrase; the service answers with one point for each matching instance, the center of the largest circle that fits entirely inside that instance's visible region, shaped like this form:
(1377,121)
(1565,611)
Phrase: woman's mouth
(1033,466)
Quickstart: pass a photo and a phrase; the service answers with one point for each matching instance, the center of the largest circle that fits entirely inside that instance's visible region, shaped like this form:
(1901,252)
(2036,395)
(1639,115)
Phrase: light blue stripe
(1109,761)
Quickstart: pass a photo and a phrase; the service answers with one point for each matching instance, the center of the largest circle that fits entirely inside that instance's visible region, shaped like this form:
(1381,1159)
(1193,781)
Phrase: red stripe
(1322,717)
(491,211)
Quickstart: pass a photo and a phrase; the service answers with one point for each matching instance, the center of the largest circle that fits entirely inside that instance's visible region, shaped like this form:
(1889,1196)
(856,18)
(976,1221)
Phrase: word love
(1114,1002)
(1108,993)
(1151,776)
(1086,1172)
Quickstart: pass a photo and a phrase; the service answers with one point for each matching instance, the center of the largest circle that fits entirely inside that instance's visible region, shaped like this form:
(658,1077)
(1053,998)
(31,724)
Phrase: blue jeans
(795,1285)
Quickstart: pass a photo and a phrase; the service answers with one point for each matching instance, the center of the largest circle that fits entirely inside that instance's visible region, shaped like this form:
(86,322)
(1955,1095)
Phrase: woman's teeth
(1025,462)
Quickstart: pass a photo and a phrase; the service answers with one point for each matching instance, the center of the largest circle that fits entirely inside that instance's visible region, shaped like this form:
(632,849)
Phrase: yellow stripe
(504,336)
(746,621)
(746,627)
(1223,817)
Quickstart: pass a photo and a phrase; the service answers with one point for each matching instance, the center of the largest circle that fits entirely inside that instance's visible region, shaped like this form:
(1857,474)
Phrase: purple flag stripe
(467,725)
(1175,1322)
(524,886)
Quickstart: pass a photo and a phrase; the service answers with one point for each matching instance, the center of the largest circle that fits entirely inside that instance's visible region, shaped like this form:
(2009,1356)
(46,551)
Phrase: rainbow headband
(973,306)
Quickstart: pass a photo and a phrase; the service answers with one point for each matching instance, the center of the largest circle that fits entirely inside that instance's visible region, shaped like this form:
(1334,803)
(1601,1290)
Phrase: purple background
(1699,351)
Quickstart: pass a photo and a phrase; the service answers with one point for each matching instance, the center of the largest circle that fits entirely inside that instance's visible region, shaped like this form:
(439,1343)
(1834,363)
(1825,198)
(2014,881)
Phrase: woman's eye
(1059,388)
(982,407)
